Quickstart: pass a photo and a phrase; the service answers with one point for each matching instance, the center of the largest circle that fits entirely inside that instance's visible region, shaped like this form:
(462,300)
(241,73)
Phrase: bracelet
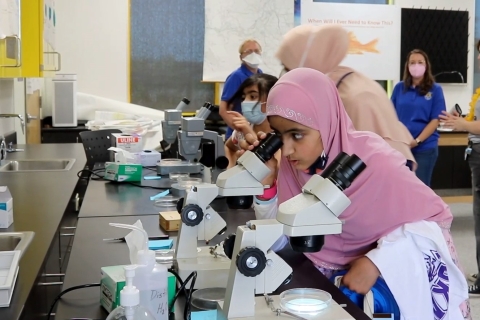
(270,192)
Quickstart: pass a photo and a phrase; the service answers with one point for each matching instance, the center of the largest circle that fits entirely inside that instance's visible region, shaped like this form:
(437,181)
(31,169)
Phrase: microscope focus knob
(251,261)
(228,245)
(191,215)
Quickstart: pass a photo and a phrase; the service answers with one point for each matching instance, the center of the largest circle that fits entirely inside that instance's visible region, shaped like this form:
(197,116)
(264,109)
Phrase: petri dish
(177,176)
(305,301)
(170,162)
(188,182)
(207,298)
(167,201)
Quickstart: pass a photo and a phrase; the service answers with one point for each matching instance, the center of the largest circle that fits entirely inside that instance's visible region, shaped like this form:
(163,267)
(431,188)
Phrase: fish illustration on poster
(370,28)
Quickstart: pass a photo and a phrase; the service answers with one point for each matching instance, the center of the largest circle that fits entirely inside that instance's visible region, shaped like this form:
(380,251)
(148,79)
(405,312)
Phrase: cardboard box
(113,281)
(170,220)
(127,142)
(6,207)
(122,172)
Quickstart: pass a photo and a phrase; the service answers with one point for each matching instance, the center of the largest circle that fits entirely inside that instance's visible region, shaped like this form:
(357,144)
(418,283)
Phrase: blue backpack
(379,300)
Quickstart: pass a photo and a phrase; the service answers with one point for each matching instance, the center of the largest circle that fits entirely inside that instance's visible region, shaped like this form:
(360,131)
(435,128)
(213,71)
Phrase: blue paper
(204,315)
(161,194)
(152,177)
(160,244)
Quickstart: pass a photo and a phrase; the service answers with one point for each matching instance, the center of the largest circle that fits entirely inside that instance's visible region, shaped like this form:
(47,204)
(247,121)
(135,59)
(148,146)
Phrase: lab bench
(451,170)
(42,204)
(106,202)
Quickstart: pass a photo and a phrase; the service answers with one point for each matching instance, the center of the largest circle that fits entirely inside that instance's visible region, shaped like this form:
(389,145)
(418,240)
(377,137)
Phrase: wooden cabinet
(28,51)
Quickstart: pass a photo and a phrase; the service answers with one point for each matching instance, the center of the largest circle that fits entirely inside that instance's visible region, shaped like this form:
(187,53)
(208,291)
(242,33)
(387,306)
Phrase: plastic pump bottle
(151,278)
(130,308)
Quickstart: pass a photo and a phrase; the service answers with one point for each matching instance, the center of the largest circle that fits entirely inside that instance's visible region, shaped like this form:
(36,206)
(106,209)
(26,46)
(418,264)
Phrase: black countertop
(90,253)
(40,200)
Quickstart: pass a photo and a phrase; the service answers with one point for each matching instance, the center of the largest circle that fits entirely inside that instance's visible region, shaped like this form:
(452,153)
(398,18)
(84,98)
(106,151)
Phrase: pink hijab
(384,196)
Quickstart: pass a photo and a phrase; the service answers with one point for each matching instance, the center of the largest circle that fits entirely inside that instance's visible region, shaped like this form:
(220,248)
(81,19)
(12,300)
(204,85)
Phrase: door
(32,112)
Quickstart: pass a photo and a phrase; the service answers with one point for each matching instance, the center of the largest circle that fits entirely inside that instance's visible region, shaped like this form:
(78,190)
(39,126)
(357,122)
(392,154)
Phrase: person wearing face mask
(419,101)
(251,57)
(252,95)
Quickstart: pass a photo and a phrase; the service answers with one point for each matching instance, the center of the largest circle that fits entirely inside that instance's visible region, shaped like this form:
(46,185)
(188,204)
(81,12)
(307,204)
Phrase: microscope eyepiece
(344,175)
(268,147)
(209,106)
(186,101)
(336,163)
(341,172)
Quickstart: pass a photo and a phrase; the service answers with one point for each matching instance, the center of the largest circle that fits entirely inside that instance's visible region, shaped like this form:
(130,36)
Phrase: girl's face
(301,145)
(252,94)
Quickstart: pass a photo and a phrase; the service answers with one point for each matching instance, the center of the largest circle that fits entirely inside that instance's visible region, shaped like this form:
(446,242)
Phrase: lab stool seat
(96,144)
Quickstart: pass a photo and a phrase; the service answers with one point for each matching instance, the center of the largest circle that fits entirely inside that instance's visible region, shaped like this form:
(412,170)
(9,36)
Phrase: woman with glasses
(419,101)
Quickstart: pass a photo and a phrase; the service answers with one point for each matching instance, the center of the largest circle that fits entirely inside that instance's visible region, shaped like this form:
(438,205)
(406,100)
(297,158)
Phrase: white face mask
(252,111)
(253,60)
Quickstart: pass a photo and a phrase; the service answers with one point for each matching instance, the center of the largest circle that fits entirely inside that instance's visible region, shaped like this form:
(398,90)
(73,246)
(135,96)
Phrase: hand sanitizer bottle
(151,278)
(130,308)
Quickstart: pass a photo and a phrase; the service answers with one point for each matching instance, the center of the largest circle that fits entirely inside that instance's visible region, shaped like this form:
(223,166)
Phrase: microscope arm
(218,140)
(255,269)
(199,220)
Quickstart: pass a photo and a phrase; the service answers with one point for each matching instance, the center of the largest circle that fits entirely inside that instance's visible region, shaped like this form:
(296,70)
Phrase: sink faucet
(3,149)
(13,115)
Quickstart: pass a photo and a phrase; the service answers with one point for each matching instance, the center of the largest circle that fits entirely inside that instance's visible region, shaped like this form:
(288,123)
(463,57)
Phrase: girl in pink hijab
(305,108)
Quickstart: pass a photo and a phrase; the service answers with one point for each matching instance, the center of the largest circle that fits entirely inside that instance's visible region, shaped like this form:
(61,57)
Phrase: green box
(113,281)
(123,171)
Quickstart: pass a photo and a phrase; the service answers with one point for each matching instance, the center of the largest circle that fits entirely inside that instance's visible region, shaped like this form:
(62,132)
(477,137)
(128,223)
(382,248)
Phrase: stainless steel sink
(10,241)
(37,165)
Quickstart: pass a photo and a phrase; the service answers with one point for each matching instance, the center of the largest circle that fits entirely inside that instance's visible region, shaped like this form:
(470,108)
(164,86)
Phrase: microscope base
(179,167)
(262,311)
(211,272)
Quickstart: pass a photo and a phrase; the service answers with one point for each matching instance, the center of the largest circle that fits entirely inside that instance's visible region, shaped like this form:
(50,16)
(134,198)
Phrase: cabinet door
(50,59)
(10,36)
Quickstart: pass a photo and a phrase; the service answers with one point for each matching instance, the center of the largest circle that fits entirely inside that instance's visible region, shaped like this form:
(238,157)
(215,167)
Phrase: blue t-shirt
(416,111)
(233,82)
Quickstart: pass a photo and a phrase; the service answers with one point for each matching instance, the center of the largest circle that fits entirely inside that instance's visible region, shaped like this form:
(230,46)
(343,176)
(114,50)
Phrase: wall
(92,37)
(454,93)
(6,105)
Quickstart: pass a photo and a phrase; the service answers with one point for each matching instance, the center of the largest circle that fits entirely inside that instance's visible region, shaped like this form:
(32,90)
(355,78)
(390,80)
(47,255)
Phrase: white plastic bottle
(151,278)
(130,308)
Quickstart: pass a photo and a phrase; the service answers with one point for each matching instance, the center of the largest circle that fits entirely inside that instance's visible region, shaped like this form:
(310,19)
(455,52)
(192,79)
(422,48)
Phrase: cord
(68,290)
(100,177)
(186,310)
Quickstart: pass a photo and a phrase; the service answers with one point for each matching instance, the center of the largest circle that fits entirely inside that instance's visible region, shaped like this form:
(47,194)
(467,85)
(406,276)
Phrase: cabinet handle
(54,275)
(18,59)
(77,202)
(67,234)
(68,228)
(59,60)
(45,284)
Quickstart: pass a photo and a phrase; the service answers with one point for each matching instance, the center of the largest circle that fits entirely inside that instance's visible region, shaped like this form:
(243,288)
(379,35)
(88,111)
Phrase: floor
(464,238)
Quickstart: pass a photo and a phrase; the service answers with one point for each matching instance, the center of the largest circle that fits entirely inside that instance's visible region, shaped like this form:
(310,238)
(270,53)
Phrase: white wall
(92,37)
(454,93)
(7,125)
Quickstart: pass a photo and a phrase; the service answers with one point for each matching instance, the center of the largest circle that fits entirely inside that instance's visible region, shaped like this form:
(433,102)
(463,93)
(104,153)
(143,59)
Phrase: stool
(96,144)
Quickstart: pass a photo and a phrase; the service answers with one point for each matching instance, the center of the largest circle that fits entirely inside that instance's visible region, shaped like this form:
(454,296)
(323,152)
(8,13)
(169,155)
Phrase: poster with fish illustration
(372,30)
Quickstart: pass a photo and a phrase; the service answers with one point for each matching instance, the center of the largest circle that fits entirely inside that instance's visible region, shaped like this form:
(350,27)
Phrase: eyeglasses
(249,51)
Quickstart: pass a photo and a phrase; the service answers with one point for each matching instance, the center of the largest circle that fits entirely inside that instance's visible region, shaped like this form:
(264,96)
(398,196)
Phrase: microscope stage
(212,272)
(262,311)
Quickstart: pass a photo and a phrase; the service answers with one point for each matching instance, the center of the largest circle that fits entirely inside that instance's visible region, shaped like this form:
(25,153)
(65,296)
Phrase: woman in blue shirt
(419,101)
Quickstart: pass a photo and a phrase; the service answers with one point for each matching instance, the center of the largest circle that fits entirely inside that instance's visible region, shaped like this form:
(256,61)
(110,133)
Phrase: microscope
(201,222)
(189,138)
(305,219)
(171,124)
